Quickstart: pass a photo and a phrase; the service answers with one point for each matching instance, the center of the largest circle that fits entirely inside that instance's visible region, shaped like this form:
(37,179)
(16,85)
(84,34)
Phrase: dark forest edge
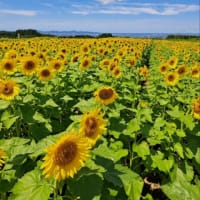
(28,33)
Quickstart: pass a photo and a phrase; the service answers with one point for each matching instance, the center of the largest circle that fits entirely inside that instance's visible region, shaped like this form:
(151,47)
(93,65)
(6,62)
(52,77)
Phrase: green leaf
(31,187)
(179,149)
(4,104)
(114,155)
(132,126)
(50,103)
(142,149)
(28,98)
(133,183)
(180,188)
(159,122)
(161,163)
(67,98)
(39,117)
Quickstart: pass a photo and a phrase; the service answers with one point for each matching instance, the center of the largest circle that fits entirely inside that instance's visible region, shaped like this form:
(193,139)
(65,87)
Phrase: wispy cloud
(49,5)
(108,1)
(18,12)
(136,9)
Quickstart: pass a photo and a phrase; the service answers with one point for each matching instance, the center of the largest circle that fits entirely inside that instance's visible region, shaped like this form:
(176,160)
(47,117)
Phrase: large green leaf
(31,187)
(4,104)
(132,182)
(141,149)
(180,188)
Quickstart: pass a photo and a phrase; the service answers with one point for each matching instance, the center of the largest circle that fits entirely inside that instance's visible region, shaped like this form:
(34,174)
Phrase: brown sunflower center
(106,93)
(90,126)
(66,153)
(85,63)
(30,65)
(172,62)
(181,70)
(8,89)
(57,66)
(171,77)
(45,73)
(194,71)
(163,68)
(8,66)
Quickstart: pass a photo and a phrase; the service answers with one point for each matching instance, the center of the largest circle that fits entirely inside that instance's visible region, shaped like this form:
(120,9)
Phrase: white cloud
(108,1)
(133,9)
(18,12)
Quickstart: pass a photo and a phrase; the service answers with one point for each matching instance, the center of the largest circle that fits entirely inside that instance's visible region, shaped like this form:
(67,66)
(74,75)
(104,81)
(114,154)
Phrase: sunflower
(56,65)
(65,157)
(85,63)
(105,95)
(8,89)
(2,158)
(117,73)
(93,125)
(163,68)
(29,66)
(172,62)
(182,70)
(104,63)
(45,73)
(196,108)
(8,66)
(195,71)
(171,78)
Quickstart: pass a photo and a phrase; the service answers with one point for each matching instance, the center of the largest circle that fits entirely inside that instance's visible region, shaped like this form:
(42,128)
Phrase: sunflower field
(99,119)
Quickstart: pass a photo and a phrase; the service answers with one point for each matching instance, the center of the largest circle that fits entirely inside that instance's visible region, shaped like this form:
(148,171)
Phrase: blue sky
(114,16)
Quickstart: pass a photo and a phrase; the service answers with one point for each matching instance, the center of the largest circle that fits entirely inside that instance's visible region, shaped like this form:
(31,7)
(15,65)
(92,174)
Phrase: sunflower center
(163,68)
(171,62)
(194,72)
(85,63)
(57,66)
(90,126)
(106,93)
(7,89)
(45,73)
(8,66)
(65,153)
(181,70)
(171,78)
(30,65)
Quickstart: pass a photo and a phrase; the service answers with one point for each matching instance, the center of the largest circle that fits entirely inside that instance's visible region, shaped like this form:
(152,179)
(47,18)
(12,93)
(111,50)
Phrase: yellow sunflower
(196,108)
(65,157)
(163,68)
(172,62)
(45,73)
(171,78)
(93,125)
(105,95)
(29,65)
(56,65)
(85,63)
(182,70)
(8,66)
(2,158)
(117,73)
(8,89)
(195,71)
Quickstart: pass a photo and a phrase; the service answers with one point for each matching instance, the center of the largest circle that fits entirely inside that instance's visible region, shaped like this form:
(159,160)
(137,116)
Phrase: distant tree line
(174,36)
(27,33)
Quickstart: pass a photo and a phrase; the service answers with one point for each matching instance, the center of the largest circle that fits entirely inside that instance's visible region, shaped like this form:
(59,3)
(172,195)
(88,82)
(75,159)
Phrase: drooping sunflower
(93,125)
(85,63)
(105,95)
(45,73)
(171,78)
(8,66)
(29,65)
(3,156)
(65,157)
(196,108)
(8,89)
